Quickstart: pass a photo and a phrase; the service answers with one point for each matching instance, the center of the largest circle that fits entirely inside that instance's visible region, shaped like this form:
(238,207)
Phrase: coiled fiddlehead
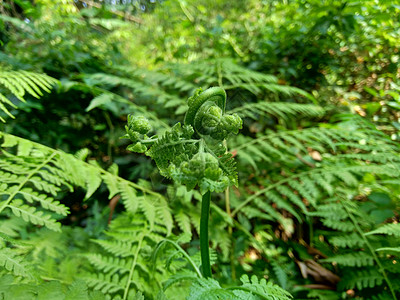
(206,114)
(192,154)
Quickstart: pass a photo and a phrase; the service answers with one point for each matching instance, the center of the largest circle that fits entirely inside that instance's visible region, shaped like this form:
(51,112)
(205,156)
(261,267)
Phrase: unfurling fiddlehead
(194,154)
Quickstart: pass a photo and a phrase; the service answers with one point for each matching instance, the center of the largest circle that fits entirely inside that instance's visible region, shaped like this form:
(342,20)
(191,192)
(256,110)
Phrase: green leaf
(30,214)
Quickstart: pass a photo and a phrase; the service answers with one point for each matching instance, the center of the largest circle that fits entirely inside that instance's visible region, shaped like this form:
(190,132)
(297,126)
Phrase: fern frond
(142,86)
(11,226)
(30,214)
(12,288)
(14,263)
(346,226)
(184,222)
(114,102)
(45,201)
(288,145)
(18,83)
(361,279)
(281,110)
(382,296)
(124,268)
(163,77)
(36,174)
(116,247)
(280,274)
(179,277)
(260,288)
(250,289)
(388,229)
(351,259)
(312,184)
(351,240)
(230,75)
(107,284)
(208,289)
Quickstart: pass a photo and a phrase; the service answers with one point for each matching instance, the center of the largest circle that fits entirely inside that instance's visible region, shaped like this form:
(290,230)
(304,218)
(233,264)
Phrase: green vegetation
(264,159)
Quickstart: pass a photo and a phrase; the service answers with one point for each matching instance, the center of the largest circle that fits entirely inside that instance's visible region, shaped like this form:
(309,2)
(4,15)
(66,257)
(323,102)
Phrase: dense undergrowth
(312,205)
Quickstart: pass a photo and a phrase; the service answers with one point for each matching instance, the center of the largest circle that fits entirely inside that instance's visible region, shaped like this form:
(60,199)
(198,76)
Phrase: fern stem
(128,283)
(220,83)
(204,243)
(230,232)
(371,249)
(111,143)
(23,182)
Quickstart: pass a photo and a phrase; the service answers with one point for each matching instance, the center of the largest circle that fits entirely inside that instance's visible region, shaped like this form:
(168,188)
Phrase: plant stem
(204,246)
(230,231)
(129,281)
(111,143)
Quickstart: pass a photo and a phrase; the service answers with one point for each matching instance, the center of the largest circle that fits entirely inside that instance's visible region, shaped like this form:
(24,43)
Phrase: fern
(143,89)
(314,180)
(362,279)
(351,240)
(286,192)
(19,83)
(178,278)
(280,274)
(281,110)
(294,145)
(389,229)
(12,289)
(352,259)
(150,87)
(37,173)
(208,289)
(373,271)
(124,269)
(230,75)
(164,88)
(291,179)
(11,227)
(32,175)
(14,263)
(117,104)
(250,289)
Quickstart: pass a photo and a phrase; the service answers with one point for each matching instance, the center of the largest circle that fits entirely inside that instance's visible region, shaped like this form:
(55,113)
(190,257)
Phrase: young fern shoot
(194,154)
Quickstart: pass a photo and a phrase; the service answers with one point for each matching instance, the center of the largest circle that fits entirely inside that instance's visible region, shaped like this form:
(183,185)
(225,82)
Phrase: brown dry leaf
(318,272)
(113,202)
(315,155)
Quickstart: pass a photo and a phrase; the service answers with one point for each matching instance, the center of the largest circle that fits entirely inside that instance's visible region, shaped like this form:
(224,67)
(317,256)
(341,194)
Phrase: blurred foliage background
(318,86)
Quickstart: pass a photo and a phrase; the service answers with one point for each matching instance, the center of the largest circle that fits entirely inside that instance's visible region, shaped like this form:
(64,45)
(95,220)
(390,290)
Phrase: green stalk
(133,266)
(204,246)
